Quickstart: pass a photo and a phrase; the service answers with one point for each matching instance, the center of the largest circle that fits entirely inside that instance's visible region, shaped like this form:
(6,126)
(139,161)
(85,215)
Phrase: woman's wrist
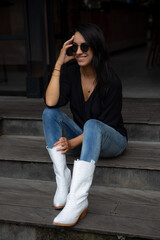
(71,145)
(58,66)
(56,69)
(75,142)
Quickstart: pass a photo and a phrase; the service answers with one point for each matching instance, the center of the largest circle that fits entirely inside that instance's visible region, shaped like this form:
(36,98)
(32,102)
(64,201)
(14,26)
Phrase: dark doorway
(12,48)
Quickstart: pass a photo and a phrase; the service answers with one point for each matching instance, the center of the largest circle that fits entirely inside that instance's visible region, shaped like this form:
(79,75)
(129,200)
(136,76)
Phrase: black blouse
(71,91)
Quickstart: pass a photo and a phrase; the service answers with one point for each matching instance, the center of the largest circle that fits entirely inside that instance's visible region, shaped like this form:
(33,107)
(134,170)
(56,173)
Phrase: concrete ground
(137,80)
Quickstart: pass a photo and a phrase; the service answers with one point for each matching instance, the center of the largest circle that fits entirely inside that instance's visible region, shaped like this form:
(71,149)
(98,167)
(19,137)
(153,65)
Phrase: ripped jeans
(99,139)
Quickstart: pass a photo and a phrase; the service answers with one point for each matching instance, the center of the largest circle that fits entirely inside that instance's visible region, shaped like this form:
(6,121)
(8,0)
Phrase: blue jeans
(99,139)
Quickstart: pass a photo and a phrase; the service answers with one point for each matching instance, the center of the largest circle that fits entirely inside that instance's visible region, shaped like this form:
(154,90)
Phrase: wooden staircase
(124,201)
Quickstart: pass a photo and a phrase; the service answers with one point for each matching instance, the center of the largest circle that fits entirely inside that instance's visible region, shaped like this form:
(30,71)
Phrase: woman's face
(83,58)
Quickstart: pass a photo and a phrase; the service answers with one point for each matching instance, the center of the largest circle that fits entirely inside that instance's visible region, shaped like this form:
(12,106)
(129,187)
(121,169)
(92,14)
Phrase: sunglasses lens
(74,47)
(84,47)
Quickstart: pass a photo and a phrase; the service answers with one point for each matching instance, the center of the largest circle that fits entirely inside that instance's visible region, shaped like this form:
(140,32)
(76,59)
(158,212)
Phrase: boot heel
(83,214)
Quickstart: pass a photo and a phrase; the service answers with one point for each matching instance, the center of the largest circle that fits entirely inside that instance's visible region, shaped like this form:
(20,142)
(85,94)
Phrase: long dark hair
(100,62)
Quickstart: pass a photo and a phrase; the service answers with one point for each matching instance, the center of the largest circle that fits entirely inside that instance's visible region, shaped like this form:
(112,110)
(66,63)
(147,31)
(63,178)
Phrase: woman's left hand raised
(64,144)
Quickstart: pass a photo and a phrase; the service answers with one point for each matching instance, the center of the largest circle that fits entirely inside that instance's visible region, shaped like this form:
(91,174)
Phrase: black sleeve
(111,114)
(65,85)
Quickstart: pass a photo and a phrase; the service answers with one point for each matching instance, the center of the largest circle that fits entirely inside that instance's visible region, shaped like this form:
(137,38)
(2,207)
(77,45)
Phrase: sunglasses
(84,48)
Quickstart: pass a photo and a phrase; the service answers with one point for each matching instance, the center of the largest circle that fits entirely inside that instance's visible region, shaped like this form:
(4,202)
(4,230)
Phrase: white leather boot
(77,202)
(63,177)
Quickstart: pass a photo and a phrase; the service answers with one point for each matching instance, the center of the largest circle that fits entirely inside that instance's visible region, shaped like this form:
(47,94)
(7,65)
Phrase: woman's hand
(63,57)
(64,144)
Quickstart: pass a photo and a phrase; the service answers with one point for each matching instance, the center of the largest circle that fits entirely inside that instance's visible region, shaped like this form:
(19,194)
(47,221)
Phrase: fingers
(63,57)
(63,149)
(61,140)
(63,143)
(68,43)
(63,152)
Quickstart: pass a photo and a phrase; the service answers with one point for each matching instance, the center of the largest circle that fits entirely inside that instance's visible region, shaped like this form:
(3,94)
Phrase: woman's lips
(79,59)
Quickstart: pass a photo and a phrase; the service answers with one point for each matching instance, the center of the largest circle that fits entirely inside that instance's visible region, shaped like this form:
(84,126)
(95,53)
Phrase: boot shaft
(82,177)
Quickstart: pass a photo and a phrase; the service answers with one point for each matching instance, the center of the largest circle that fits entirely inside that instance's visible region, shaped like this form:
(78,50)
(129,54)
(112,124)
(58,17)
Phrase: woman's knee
(51,113)
(91,124)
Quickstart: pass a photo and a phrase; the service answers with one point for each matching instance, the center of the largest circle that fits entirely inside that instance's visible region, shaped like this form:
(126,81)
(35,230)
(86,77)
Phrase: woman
(95,95)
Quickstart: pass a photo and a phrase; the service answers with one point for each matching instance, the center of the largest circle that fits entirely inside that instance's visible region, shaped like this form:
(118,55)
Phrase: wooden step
(142,119)
(27,157)
(22,116)
(26,210)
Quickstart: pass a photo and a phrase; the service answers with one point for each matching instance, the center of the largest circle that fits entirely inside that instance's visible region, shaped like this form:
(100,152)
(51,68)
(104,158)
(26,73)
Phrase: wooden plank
(138,155)
(23,185)
(141,110)
(132,163)
(91,223)
(134,110)
(121,226)
(111,210)
(35,193)
(23,108)
(20,148)
(144,205)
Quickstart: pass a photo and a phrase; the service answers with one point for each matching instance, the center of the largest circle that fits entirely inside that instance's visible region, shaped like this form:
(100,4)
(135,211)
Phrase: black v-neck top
(71,91)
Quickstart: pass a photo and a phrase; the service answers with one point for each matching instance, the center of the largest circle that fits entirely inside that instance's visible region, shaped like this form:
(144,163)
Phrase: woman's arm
(74,142)
(53,89)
